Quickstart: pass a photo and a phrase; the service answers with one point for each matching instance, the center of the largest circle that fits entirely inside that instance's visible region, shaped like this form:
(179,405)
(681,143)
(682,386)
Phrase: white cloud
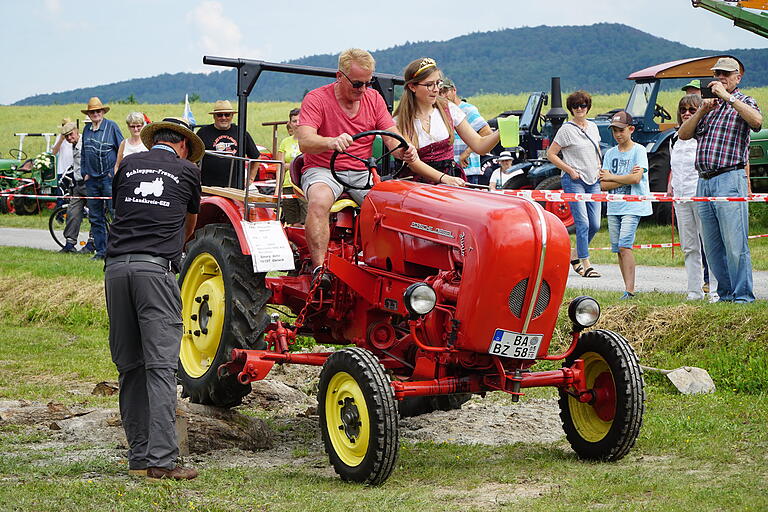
(53,6)
(218,34)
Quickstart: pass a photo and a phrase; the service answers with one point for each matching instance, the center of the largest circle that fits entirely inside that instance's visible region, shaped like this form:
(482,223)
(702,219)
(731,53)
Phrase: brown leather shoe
(177,473)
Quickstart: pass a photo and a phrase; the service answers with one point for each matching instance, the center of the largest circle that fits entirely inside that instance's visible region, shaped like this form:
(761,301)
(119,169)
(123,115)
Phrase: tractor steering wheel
(17,154)
(372,164)
(659,111)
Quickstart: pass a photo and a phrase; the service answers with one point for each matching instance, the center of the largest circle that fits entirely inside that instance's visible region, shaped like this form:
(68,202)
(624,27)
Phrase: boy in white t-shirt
(625,171)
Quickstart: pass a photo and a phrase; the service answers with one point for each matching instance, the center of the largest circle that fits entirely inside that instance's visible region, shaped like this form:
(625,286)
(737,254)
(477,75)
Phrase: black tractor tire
(418,405)
(658,179)
(26,205)
(518,182)
(606,428)
(358,417)
(223,307)
(561,210)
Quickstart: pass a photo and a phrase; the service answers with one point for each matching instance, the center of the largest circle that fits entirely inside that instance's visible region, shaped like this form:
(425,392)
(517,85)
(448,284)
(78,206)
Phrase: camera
(706,92)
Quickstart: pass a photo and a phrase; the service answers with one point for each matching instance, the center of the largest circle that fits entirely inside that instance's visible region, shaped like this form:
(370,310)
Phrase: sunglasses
(690,110)
(720,72)
(357,84)
(136,126)
(581,105)
(224,114)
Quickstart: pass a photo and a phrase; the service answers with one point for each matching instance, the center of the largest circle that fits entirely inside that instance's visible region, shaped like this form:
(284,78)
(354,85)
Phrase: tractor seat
(296,166)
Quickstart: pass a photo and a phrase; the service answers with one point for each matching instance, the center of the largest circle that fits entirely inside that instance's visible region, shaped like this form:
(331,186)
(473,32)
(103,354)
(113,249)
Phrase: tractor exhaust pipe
(557,114)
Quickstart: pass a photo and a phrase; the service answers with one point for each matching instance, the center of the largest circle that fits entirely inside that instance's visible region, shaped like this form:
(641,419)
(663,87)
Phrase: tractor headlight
(584,312)
(419,299)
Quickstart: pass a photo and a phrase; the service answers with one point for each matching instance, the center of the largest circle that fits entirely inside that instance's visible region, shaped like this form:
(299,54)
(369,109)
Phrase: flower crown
(425,64)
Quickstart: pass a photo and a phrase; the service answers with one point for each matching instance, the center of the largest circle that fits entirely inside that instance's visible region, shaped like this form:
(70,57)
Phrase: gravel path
(648,279)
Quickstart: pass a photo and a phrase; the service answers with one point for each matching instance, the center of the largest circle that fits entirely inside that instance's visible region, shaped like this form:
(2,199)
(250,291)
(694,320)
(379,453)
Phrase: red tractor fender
(221,210)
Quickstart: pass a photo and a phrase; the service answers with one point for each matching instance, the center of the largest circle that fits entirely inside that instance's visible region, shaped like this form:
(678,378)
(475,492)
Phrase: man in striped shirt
(463,155)
(721,127)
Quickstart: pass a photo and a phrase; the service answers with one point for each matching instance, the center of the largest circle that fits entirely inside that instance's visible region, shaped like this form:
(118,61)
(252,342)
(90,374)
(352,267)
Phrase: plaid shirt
(723,136)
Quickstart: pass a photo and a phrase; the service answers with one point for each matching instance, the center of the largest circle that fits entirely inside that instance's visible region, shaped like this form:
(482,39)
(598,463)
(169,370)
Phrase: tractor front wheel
(605,427)
(358,416)
(222,308)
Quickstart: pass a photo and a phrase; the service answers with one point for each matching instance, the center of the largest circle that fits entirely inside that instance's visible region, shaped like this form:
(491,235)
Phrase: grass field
(47,118)
(703,452)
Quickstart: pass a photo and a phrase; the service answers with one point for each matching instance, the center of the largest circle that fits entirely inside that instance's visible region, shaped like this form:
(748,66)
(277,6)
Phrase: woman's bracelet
(441,178)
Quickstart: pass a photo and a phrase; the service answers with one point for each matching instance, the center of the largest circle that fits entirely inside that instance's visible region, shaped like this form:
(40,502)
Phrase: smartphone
(706,92)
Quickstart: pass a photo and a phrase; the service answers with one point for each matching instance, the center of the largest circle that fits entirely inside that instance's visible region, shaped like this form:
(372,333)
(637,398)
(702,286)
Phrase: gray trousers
(145,329)
(75,214)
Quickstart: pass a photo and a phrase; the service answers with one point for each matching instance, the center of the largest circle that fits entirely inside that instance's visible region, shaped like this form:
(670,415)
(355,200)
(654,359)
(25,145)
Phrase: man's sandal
(577,267)
(591,272)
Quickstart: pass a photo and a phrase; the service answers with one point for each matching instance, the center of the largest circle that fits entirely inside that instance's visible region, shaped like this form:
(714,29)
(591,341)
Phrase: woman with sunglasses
(576,152)
(428,120)
(683,183)
(132,144)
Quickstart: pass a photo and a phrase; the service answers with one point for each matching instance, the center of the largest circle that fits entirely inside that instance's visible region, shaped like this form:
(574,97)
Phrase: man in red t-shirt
(330,115)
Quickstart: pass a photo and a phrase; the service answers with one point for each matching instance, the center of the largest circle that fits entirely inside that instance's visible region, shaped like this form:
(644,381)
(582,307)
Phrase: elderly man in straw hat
(101,140)
(157,198)
(222,136)
(721,127)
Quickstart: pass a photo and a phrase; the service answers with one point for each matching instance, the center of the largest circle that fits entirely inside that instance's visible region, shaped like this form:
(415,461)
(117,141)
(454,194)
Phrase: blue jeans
(725,227)
(621,230)
(99,187)
(474,178)
(586,215)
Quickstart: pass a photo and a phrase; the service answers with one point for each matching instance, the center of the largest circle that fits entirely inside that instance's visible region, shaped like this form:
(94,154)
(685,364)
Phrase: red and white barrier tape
(661,246)
(26,182)
(560,196)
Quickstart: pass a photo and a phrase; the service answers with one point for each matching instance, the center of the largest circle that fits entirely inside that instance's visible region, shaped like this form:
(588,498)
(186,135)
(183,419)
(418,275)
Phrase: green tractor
(38,174)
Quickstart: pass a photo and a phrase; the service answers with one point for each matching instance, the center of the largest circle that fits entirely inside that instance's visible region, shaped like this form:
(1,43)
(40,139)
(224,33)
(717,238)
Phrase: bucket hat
(67,127)
(223,107)
(505,155)
(95,104)
(196,146)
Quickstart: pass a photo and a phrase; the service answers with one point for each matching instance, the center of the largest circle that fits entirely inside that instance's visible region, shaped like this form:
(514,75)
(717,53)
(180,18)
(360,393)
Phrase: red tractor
(437,292)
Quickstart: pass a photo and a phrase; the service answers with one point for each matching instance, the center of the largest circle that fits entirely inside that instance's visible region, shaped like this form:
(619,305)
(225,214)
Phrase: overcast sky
(56,45)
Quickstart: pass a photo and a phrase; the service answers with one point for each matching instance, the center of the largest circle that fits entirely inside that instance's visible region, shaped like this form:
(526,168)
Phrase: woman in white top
(683,184)
(579,142)
(133,144)
(428,120)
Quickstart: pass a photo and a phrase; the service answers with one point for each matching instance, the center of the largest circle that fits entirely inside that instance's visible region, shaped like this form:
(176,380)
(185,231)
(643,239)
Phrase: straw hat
(223,107)
(95,104)
(196,146)
(67,127)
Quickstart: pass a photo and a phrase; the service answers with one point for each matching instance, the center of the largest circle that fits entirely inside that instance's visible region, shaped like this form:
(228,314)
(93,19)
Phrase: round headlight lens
(584,311)
(420,298)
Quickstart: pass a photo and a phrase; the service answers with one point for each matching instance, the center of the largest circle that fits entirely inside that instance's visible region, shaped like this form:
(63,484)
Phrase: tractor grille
(517,298)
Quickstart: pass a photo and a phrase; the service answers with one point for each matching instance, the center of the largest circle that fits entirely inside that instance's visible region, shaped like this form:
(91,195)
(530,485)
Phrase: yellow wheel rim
(202,312)
(593,421)
(346,418)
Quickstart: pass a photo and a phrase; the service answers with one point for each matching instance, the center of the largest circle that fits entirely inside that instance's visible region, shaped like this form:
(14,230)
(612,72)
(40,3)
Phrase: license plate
(515,345)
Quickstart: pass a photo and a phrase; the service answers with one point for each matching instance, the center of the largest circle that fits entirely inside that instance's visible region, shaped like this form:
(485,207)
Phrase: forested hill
(597,58)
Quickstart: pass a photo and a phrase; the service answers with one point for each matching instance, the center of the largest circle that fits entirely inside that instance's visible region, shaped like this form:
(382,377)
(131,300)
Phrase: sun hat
(223,107)
(67,127)
(95,104)
(726,64)
(621,119)
(447,84)
(65,120)
(693,83)
(196,146)
(505,155)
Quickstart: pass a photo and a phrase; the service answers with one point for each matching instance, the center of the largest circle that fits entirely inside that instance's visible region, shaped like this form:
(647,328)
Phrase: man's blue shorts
(622,229)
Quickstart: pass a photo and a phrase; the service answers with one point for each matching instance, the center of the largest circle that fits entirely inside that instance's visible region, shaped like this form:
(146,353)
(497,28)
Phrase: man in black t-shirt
(222,136)
(156,195)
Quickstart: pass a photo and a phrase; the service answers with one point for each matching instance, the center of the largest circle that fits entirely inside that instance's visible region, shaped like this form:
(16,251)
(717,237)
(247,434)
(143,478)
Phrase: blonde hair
(360,57)
(406,109)
(134,118)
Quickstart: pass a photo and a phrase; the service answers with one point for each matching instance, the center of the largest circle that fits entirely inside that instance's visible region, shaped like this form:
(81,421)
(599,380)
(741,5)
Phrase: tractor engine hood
(511,254)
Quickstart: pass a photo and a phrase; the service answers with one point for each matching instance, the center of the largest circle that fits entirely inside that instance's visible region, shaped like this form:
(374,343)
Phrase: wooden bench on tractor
(443,292)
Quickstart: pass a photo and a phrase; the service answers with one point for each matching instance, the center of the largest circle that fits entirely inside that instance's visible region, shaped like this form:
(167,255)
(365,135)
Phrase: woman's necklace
(425,120)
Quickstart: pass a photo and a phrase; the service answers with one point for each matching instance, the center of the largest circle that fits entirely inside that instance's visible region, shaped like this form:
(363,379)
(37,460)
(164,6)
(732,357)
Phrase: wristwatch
(732,99)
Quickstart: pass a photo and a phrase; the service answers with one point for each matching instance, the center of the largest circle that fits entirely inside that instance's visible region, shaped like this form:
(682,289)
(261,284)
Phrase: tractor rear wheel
(562,210)
(222,308)
(606,427)
(358,416)
(26,205)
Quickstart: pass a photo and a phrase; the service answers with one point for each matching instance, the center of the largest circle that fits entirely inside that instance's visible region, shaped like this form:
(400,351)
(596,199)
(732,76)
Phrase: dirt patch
(488,496)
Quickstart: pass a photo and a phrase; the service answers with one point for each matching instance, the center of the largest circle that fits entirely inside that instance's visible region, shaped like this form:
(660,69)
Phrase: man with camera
(721,126)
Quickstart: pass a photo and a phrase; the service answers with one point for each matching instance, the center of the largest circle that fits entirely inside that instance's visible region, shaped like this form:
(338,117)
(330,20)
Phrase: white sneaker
(695,296)
(713,297)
